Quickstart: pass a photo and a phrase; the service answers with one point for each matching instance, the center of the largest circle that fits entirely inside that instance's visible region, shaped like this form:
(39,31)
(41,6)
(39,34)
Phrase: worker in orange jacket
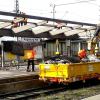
(83,55)
(30,56)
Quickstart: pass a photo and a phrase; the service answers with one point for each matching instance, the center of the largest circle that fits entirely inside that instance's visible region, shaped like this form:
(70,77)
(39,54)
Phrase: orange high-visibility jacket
(31,54)
(82,53)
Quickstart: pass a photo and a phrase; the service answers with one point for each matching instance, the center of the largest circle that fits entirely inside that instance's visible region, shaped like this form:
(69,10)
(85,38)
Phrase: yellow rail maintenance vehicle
(69,72)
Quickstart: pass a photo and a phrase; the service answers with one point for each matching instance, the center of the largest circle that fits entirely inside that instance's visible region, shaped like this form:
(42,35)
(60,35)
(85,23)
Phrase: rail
(31,93)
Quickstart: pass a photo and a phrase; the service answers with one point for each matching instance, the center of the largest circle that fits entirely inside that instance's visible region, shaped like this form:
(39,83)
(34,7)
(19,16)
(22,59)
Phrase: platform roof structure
(45,27)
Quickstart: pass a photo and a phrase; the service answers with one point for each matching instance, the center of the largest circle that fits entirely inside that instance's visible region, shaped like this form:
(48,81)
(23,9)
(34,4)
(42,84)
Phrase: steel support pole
(2,55)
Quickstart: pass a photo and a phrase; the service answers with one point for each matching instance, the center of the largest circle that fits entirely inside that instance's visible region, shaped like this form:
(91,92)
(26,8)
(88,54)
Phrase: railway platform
(96,97)
(13,80)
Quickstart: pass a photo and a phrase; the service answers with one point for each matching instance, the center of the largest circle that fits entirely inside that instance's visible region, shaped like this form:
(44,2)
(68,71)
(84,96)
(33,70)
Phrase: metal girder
(84,34)
(91,28)
(5,24)
(41,29)
(45,18)
(23,28)
(59,31)
(41,23)
(2,25)
(18,20)
(5,20)
(77,27)
(72,32)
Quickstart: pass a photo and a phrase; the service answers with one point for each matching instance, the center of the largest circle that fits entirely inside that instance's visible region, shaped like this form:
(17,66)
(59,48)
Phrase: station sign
(24,39)
(29,43)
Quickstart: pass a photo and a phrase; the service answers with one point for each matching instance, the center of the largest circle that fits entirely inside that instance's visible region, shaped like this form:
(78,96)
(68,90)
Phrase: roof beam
(45,18)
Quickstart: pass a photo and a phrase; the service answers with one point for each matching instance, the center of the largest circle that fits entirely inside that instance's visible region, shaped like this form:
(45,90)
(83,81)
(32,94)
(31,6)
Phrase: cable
(74,2)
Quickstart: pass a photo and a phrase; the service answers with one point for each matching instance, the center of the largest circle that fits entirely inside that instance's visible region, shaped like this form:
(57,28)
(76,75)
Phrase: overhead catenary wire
(84,1)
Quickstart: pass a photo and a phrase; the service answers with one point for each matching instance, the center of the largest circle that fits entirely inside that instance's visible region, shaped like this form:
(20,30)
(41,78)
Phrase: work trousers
(30,61)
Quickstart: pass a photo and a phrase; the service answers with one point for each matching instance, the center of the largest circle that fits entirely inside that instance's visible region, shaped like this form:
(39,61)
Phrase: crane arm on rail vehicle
(95,40)
(97,31)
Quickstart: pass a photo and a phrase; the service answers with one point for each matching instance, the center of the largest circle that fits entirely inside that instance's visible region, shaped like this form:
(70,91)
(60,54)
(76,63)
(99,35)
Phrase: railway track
(31,93)
(73,91)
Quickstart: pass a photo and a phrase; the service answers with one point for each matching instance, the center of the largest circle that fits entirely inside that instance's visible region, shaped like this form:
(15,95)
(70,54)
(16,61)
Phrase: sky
(68,9)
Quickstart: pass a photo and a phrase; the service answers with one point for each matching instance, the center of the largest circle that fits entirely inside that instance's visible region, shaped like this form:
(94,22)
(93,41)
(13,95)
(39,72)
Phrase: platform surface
(13,72)
(96,97)
(9,74)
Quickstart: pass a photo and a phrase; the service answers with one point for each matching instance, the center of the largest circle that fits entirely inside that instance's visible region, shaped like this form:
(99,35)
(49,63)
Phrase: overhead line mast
(16,6)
